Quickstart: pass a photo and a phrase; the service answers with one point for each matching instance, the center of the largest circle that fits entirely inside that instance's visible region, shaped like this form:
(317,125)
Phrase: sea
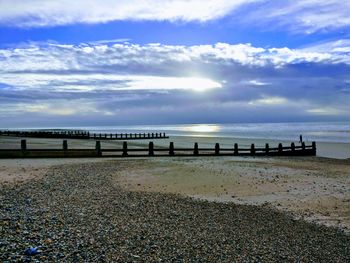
(336,132)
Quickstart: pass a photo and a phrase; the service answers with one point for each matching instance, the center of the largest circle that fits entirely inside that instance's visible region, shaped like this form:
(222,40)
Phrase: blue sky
(113,62)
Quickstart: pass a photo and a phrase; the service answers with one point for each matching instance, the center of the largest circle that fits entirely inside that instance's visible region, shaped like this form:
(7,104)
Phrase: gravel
(76,213)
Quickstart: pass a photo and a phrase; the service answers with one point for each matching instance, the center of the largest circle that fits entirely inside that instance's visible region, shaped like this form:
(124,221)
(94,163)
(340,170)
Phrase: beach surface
(202,207)
(79,212)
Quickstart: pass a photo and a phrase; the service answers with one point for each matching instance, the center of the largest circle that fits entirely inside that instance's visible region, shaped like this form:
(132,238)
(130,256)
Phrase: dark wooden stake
(292,146)
(65,145)
(252,149)
(195,150)
(235,151)
(171,149)
(267,148)
(23,145)
(98,148)
(151,149)
(125,149)
(280,148)
(217,149)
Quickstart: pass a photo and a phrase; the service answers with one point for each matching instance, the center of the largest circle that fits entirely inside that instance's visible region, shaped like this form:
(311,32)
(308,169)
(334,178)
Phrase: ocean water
(311,131)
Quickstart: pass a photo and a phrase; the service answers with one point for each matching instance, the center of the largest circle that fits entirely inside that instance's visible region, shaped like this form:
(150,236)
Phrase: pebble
(77,213)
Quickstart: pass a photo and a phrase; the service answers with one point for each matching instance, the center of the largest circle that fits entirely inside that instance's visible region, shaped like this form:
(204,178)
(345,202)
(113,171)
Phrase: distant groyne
(78,134)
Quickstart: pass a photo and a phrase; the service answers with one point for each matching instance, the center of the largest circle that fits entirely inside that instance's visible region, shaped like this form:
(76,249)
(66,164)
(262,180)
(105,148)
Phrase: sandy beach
(307,189)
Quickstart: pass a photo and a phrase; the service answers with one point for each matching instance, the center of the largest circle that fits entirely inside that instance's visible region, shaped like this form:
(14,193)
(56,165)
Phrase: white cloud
(55,107)
(303,16)
(300,16)
(30,13)
(56,57)
(327,111)
(269,101)
(255,82)
(335,46)
(105,82)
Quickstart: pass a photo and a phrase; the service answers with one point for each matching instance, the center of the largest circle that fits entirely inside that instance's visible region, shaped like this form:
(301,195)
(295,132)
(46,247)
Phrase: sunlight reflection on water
(201,128)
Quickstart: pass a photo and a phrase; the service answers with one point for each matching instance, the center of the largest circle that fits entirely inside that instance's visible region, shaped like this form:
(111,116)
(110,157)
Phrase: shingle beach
(76,214)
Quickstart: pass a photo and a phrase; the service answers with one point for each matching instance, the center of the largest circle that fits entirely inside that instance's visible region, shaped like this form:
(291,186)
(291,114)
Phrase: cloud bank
(130,83)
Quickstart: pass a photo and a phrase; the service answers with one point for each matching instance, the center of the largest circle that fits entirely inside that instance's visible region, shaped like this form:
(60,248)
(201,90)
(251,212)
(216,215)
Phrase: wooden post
(94,135)
(303,146)
(314,148)
(235,151)
(125,149)
(267,149)
(111,135)
(116,135)
(98,148)
(252,149)
(65,145)
(105,135)
(150,149)
(164,134)
(171,149)
(292,146)
(23,145)
(195,150)
(217,149)
(280,148)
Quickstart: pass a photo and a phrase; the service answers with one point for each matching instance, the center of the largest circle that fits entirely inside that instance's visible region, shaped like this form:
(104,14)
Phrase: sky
(128,62)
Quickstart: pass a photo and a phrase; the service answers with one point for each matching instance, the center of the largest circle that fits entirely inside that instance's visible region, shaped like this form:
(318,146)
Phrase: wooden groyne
(74,134)
(151,151)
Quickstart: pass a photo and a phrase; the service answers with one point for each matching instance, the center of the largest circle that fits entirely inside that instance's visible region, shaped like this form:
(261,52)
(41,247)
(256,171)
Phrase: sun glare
(173,83)
(202,128)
